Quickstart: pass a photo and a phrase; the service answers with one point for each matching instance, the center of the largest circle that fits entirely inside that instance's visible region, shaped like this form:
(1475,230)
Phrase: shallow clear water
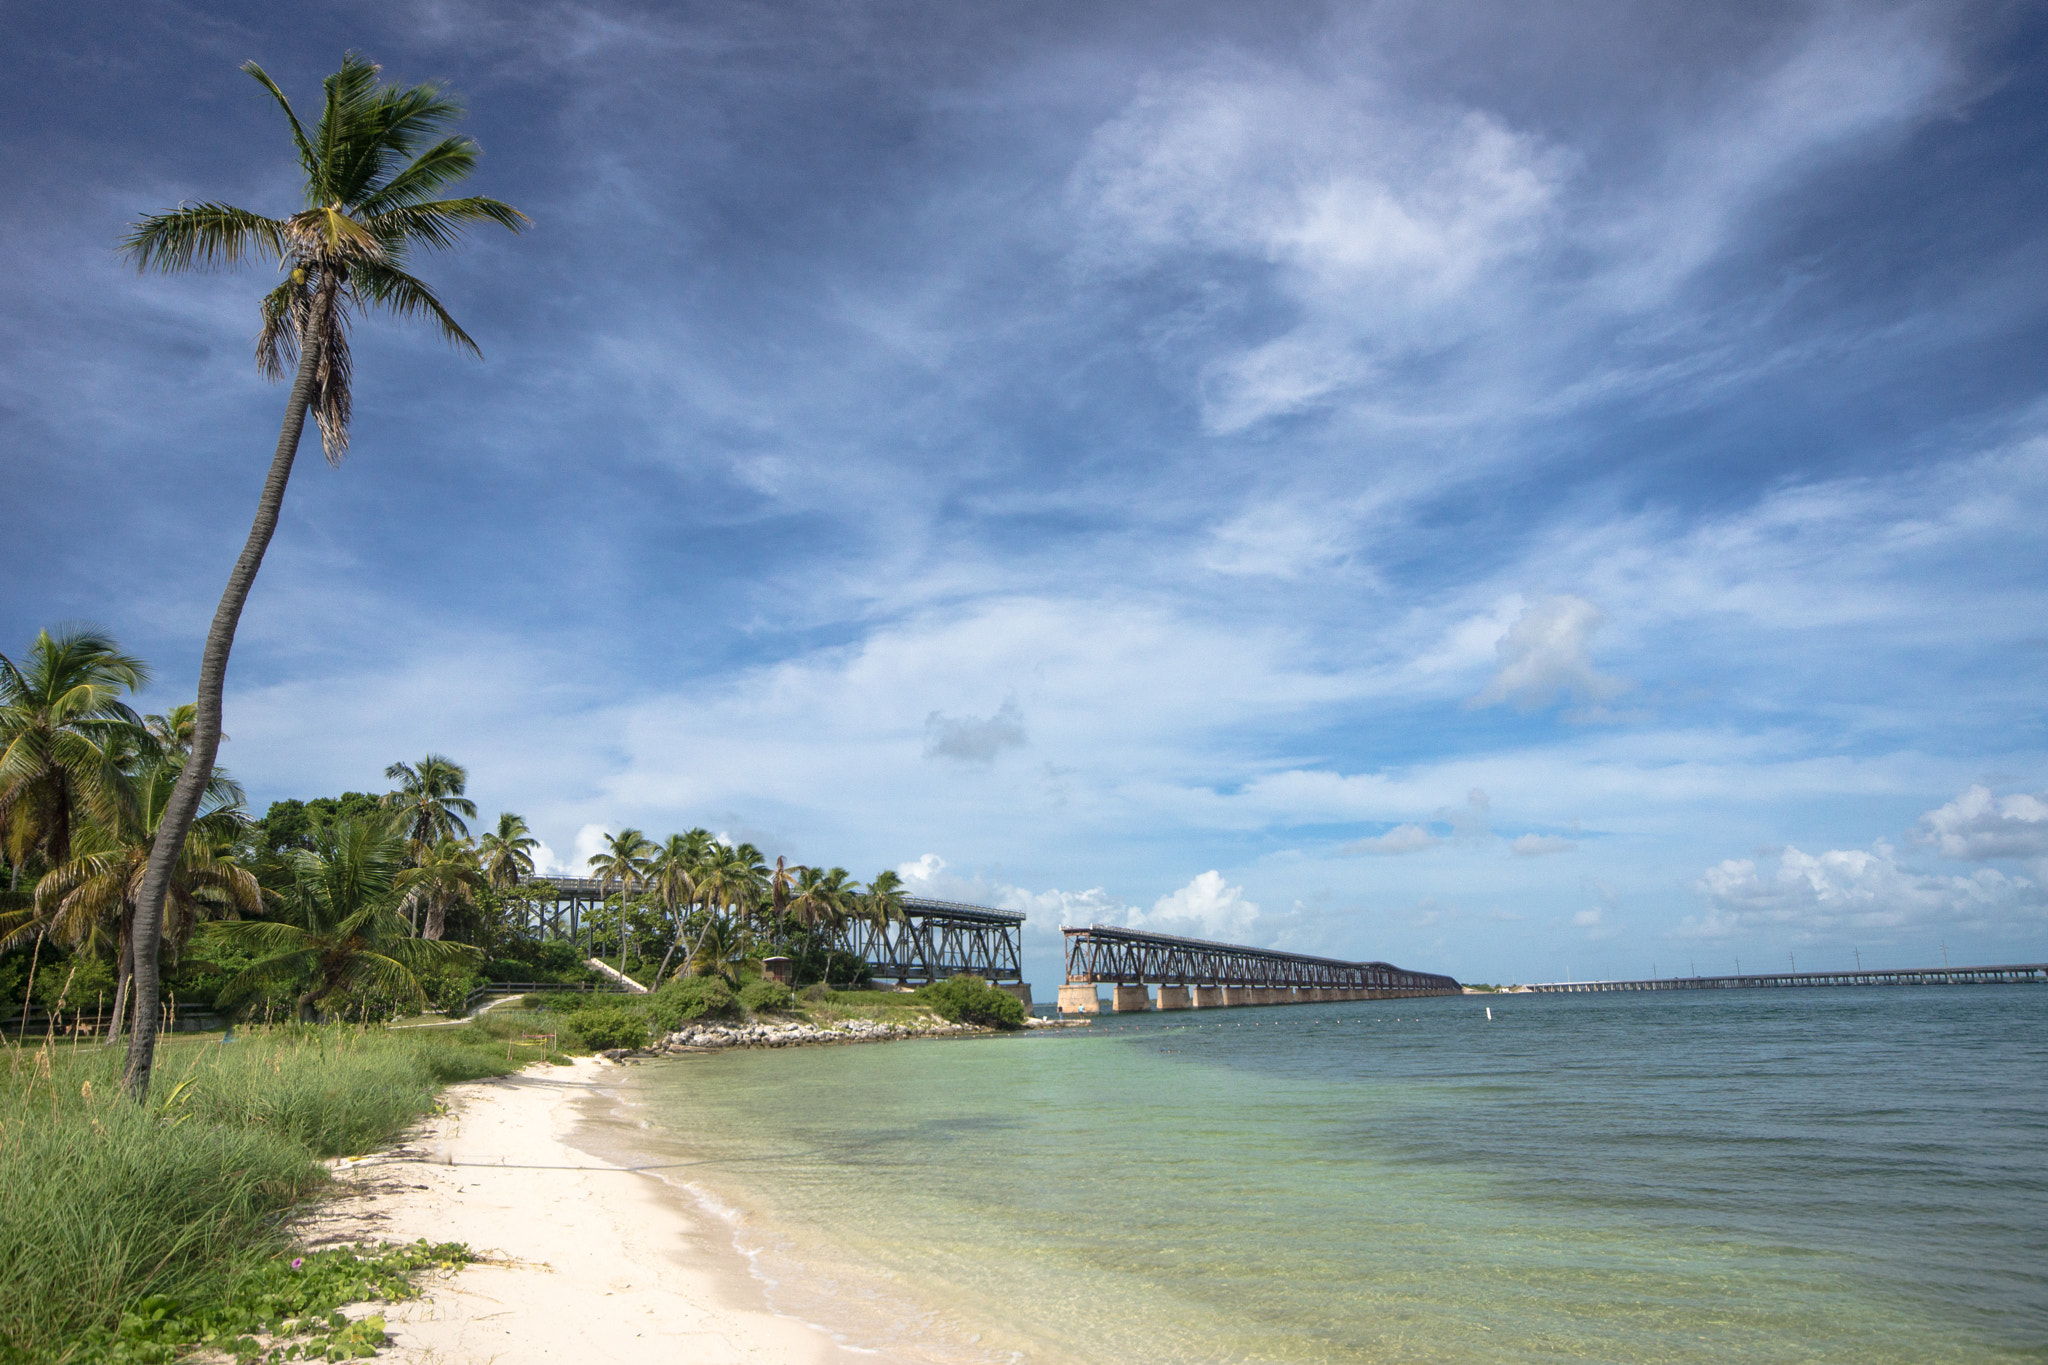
(1829,1175)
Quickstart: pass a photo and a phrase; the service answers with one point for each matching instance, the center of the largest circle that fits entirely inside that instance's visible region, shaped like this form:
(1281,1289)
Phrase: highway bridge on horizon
(1906,976)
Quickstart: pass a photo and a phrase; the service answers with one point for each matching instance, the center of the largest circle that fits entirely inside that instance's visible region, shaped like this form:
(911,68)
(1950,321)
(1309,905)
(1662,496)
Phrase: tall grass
(104,1203)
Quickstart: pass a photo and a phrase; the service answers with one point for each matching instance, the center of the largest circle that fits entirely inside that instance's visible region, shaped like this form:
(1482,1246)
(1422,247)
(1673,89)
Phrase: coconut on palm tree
(342,929)
(377,165)
(506,853)
(429,801)
(65,738)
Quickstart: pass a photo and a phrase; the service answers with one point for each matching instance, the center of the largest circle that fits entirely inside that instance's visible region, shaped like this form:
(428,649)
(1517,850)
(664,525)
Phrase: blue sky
(1511,489)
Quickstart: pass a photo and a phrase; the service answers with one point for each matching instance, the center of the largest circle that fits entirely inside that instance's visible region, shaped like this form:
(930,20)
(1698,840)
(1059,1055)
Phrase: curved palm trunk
(121,988)
(213,670)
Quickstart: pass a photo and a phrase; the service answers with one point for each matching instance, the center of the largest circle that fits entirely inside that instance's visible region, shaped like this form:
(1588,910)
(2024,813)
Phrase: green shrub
(971,1000)
(610,1028)
(687,998)
(817,993)
(764,994)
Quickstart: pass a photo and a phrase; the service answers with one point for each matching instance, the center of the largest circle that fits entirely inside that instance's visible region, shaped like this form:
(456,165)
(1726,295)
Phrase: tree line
(335,905)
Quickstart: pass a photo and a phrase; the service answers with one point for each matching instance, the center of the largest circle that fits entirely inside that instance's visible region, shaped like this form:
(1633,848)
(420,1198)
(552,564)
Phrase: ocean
(1855,1175)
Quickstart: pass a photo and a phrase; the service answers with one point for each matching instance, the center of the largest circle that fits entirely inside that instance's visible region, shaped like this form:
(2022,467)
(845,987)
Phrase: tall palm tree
(824,899)
(65,734)
(446,876)
(507,852)
(883,901)
(376,165)
(91,898)
(624,862)
(782,884)
(343,930)
(672,877)
(430,802)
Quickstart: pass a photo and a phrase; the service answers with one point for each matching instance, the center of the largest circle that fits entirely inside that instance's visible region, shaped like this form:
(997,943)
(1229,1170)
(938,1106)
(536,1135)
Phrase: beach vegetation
(342,928)
(611,1026)
(764,995)
(115,1216)
(691,998)
(971,1000)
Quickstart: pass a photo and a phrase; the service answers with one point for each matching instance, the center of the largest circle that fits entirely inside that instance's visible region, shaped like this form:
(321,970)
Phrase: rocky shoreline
(715,1037)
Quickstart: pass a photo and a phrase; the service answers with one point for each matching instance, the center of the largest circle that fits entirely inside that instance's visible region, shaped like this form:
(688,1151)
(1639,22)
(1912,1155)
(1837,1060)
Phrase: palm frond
(426,175)
(389,287)
(203,237)
(347,134)
(438,224)
(307,159)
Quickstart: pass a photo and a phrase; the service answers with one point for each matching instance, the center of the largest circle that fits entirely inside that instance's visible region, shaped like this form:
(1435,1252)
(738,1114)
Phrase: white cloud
(1205,908)
(589,843)
(1543,658)
(1588,919)
(1380,222)
(1977,825)
(1399,839)
(1539,845)
(974,741)
(1841,889)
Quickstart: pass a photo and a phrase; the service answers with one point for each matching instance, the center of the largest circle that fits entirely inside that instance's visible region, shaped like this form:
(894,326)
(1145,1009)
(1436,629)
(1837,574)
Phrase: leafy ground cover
(129,1229)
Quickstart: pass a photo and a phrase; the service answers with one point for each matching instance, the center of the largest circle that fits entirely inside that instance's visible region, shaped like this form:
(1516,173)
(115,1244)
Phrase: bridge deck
(1912,976)
(1131,957)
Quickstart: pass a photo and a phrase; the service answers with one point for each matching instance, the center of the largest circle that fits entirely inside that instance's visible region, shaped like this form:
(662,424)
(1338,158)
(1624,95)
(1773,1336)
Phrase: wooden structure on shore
(1911,976)
(1196,974)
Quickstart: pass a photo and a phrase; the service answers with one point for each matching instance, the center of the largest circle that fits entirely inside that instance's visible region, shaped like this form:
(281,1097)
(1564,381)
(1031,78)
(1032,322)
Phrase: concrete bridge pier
(1209,997)
(1241,995)
(1079,1000)
(1130,999)
(1175,998)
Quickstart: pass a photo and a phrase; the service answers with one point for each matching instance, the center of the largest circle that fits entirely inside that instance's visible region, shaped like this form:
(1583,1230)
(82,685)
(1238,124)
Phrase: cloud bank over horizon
(1484,488)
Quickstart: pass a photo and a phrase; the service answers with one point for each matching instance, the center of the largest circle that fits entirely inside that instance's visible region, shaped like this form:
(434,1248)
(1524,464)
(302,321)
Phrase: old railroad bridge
(1196,974)
(937,939)
(933,940)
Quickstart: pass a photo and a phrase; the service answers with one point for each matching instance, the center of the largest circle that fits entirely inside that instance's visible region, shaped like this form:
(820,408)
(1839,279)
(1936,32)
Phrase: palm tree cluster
(85,782)
(711,903)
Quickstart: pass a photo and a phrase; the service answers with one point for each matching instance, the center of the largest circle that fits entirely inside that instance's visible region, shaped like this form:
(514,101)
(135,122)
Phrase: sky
(1520,490)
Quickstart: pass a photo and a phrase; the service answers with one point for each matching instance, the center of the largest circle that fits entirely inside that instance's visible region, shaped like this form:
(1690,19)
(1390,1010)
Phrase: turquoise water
(1847,1175)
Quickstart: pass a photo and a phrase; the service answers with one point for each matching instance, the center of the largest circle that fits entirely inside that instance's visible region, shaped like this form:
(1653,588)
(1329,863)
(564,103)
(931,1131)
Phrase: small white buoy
(1489,1011)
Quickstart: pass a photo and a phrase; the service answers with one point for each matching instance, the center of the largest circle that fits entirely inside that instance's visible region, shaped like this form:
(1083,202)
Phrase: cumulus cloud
(1816,894)
(589,843)
(1538,845)
(974,741)
(1399,839)
(1977,825)
(1205,908)
(1543,658)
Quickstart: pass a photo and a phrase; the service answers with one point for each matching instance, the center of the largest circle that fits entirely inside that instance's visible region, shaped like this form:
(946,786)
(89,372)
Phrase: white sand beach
(589,1262)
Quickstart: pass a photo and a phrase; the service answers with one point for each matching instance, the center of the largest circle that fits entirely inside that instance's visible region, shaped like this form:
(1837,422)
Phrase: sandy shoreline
(592,1262)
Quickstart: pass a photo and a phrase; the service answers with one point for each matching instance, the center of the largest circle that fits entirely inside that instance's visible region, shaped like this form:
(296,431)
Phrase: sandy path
(603,1266)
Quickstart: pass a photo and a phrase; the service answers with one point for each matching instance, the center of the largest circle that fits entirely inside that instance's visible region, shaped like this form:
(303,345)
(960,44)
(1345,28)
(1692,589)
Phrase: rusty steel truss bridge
(939,939)
(1196,974)
(934,940)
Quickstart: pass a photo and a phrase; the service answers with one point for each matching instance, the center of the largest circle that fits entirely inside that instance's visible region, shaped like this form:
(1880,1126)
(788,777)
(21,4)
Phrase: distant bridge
(1914,976)
(1193,973)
